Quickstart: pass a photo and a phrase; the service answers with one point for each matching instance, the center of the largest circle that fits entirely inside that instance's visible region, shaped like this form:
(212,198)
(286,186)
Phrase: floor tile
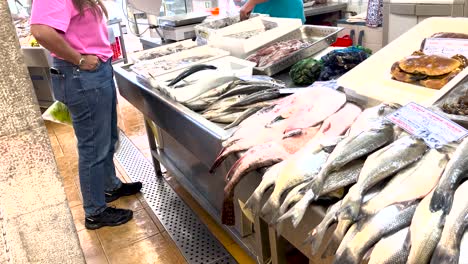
(127,202)
(154,218)
(90,243)
(155,249)
(73,196)
(140,227)
(99,259)
(78,217)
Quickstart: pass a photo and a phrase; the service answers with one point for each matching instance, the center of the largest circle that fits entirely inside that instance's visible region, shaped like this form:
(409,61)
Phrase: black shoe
(124,190)
(109,217)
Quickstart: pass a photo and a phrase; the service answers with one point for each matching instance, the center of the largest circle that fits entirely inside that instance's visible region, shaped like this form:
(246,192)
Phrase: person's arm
(246,10)
(50,39)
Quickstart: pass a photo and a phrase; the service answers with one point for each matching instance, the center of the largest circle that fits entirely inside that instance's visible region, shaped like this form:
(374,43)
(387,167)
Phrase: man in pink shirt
(75,32)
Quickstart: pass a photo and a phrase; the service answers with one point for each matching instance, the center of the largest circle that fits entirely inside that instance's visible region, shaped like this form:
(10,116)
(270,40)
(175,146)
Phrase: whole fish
(387,221)
(338,179)
(216,113)
(203,85)
(224,103)
(350,232)
(268,180)
(293,196)
(259,105)
(301,167)
(371,115)
(425,232)
(422,176)
(190,71)
(260,96)
(448,248)
(464,249)
(245,114)
(455,172)
(380,165)
(255,158)
(354,147)
(226,118)
(248,88)
(215,92)
(315,236)
(200,104)
(393,249)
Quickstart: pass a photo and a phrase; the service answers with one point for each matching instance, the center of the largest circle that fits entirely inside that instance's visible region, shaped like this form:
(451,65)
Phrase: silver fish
(425,232)
(255,105)
(249,88)
(448,249)
(293,196)
(268,180)
(393,249)
(226,118)
(215,92)
(304,165)
(260,96)
(455,172)
(350,232)
(225,103)
(200,104)
(245,114)
(380,165)
(387,221)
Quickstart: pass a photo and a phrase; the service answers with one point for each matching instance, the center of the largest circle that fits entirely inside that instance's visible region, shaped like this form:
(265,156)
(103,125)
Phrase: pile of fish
(220,96)
(403,202)
(273,53)
(276,133)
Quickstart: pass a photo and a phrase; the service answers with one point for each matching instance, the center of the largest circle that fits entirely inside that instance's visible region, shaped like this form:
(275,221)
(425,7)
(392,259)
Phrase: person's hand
(245,11)
(91,62)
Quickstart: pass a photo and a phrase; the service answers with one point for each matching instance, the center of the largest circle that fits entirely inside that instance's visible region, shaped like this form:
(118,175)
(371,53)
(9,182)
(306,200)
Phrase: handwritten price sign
(434,129)
(446,47)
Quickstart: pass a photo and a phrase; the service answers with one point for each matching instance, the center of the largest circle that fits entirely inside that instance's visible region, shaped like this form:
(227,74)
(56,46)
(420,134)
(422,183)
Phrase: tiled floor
(144,239)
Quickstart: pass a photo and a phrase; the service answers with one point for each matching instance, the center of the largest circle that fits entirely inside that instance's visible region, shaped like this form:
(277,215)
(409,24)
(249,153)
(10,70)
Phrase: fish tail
(227,213)
(350,208)
(219,159)
(441,200)
(253,203)
(234,169)
(336,238)
(346,258)
(315,238)
(441,256)
(268,207)
(301,207)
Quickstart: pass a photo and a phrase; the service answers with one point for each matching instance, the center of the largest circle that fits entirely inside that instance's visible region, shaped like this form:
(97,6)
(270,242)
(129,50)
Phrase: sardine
(387,221)
(380,165)
(455,172)
(264,95)
(302,166)
(268,180)
(354,147)
(226,118)
(420,177)
(315,236)
(393,249)
(448,248)
(425,232)
(245,114)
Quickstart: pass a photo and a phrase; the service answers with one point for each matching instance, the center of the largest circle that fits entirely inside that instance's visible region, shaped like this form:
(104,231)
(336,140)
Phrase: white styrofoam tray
(242,47)
(372,77)
(138,56)
(150,70)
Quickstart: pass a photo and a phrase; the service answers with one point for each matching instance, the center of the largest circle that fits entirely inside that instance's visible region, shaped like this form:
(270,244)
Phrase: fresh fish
(264,95)
(354,147)
(257,105)
(464,249)
(268,180)
(224,103)
(455,172)
(387,221)
(293,196)
(215,113)
(393,249)
(448,249)
(380,165)
(255,158)
(350,231)
(301,167)
(203,85)
(425,232)
(339,179)
(213,93)
(246,113)
(226,118)
(201,104)
(316,235)
(371,115)
(249,88)
(422,177)
(190,71)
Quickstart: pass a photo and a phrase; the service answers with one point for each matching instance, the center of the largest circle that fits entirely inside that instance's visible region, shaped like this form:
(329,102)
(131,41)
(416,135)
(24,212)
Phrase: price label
(434,129)
(446,47)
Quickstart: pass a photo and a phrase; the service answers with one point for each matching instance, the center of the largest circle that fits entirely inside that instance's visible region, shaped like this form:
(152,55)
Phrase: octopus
(431,71)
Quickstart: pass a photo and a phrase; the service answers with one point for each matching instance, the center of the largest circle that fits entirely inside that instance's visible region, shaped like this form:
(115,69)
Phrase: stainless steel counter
(325,9)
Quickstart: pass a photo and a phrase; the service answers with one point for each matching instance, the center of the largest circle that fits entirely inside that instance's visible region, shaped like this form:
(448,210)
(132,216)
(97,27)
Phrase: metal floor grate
(192,237)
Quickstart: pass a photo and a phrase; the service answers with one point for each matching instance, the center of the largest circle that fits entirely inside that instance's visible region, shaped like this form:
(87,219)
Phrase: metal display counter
(325,9)
(187,144)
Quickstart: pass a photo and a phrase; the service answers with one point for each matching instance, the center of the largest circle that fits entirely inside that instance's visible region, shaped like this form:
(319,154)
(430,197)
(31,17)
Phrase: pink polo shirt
(87,34)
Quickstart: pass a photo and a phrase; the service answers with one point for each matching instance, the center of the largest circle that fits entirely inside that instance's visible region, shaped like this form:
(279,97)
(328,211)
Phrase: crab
(431,71)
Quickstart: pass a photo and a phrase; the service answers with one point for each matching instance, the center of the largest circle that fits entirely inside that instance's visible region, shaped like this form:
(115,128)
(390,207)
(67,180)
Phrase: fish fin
(227,213)
(441,200)
(441,256)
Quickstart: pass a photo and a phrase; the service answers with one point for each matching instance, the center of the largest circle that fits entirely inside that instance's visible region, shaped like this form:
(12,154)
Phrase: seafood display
(273,53)
(459,107)
(162,51)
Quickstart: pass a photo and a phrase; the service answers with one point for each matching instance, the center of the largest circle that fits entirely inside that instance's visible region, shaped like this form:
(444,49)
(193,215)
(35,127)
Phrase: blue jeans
(91,99)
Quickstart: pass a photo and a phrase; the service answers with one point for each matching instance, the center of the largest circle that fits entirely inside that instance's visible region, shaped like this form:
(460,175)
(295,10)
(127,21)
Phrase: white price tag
(446,46)
(434,129)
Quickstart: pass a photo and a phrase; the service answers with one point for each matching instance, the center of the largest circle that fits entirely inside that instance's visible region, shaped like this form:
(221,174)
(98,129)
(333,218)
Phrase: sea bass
(380,165)
(425,232)
(387,221)
(420,177)
(448,249)
(455,172)
(391,250)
